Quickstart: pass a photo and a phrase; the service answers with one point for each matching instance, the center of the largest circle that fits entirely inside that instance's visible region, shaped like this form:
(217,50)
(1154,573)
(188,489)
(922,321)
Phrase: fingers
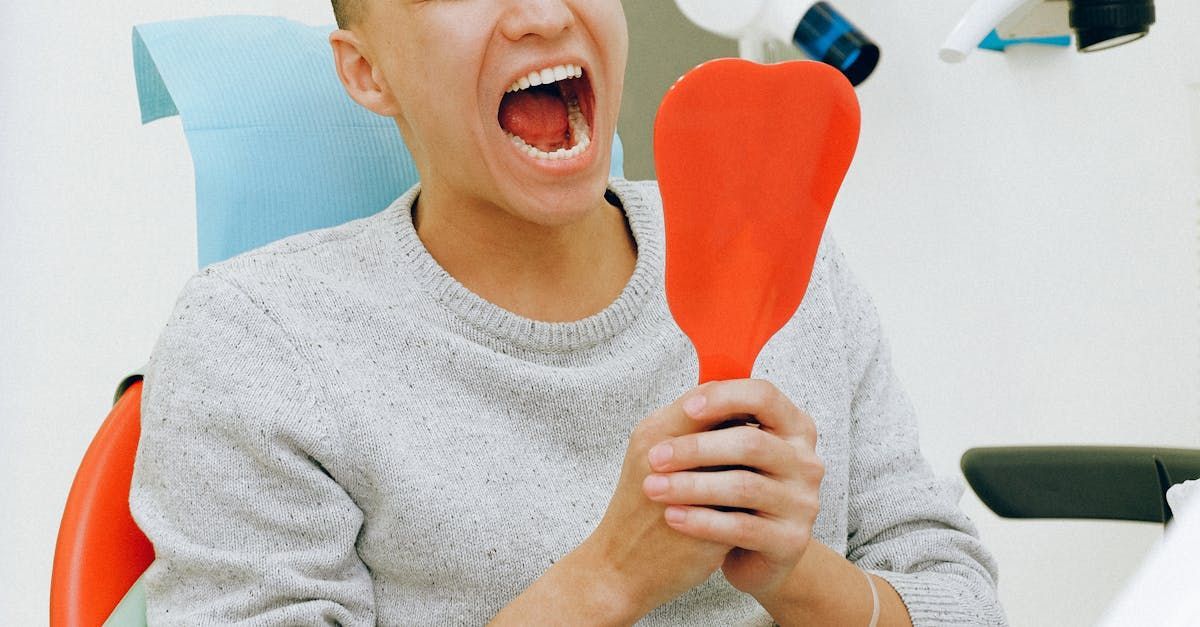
(711,404)
(718,401)
(775,539)
(732,488)
(737,446)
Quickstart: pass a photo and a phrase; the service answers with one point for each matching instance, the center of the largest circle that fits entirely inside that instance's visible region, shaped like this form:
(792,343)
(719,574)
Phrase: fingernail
(661,454)
(675,515)
(694,405)
(656,485)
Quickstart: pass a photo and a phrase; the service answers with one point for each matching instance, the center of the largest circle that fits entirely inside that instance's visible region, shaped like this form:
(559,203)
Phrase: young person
(475,406)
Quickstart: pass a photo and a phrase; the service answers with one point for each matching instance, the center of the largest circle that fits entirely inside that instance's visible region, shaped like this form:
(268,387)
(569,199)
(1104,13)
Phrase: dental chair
(278,148)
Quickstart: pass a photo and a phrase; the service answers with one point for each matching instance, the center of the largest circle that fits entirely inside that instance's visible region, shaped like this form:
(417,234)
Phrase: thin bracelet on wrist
(874,600)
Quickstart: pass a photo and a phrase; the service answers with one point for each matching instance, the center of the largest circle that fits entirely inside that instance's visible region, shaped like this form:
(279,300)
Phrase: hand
(781,491)
(653,562)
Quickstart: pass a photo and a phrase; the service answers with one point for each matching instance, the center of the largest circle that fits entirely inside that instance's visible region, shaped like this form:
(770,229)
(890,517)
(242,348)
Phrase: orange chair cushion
(100,551)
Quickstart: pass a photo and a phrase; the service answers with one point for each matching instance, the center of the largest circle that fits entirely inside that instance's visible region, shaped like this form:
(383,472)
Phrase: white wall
(1028,225)
(97,236)
(1027,222)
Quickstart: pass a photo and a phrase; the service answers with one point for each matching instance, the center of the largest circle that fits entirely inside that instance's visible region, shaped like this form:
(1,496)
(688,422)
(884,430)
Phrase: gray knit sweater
(334,430)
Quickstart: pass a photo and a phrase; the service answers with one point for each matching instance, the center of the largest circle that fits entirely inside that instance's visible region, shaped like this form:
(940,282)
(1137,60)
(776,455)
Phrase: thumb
(676,418)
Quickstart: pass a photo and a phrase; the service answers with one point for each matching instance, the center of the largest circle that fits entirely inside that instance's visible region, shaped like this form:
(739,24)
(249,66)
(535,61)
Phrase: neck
(548,273)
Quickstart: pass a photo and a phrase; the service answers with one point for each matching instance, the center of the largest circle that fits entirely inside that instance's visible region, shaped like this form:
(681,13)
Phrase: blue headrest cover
(277,145)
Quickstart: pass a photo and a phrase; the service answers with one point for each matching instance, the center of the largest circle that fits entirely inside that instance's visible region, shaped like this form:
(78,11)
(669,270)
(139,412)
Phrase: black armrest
(1100,482)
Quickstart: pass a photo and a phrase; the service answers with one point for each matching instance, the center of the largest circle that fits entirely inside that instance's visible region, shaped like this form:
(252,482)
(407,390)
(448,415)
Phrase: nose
(539,18)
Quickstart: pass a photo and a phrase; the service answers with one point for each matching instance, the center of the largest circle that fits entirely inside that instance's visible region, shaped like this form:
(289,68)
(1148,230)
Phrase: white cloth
(1163,591)
(1185,496)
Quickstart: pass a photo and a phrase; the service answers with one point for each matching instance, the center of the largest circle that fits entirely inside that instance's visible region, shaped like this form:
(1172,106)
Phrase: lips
(548,113)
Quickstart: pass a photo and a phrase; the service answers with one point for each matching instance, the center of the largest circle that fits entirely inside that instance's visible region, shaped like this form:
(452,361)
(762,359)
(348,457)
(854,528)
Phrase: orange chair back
(100,551)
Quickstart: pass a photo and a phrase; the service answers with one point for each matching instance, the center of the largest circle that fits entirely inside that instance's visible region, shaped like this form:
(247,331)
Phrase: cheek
(607,23)
(437,106)
(609,18)
(621,33)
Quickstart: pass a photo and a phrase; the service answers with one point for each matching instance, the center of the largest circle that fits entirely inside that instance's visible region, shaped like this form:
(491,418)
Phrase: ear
(359,76)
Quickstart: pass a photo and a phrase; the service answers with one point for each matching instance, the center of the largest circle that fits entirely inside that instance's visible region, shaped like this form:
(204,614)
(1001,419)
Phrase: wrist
(579,589)
(809,593)
(788,594)
(613,596)
(826,589)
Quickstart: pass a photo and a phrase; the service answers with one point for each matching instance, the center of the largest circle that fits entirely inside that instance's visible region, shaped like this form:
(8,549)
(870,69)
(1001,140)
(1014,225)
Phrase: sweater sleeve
(248,526)
(904,524)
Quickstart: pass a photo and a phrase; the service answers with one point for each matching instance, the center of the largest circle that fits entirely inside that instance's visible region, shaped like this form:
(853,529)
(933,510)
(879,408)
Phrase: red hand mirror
(749,160)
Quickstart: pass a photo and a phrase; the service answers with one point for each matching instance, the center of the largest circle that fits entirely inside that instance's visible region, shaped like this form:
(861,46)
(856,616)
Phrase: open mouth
(548,113)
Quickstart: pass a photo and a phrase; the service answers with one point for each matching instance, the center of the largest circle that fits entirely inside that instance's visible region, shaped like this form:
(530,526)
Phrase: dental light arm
(747,19)
(817,29)
(1098,24)
(981,18)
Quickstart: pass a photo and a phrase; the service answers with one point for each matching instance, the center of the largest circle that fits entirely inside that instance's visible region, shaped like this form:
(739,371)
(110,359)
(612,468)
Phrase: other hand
(652,562)
(779,485)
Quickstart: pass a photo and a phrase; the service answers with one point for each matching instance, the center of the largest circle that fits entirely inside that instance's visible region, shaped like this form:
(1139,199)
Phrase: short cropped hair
(348,12)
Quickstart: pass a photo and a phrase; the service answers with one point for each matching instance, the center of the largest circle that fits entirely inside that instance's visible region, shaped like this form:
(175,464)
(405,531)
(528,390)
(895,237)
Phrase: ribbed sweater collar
(629,315)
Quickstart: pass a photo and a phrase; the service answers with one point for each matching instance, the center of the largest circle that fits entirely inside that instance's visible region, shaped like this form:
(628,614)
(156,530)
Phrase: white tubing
(980,19)
(752,48)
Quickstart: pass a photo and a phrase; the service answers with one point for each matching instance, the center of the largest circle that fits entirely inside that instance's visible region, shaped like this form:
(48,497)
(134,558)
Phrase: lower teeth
(579,129)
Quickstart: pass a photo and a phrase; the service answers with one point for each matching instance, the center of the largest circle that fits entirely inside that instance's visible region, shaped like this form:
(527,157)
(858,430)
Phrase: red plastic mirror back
(749,159)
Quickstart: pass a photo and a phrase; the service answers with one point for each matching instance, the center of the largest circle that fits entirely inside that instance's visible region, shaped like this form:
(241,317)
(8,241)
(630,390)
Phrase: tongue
(538,116)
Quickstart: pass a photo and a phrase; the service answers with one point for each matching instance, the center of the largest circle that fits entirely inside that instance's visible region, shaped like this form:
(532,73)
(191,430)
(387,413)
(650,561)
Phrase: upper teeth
(546,76)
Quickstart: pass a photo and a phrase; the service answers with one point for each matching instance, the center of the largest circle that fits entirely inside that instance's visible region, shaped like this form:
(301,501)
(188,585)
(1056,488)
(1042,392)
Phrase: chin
(561,204)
